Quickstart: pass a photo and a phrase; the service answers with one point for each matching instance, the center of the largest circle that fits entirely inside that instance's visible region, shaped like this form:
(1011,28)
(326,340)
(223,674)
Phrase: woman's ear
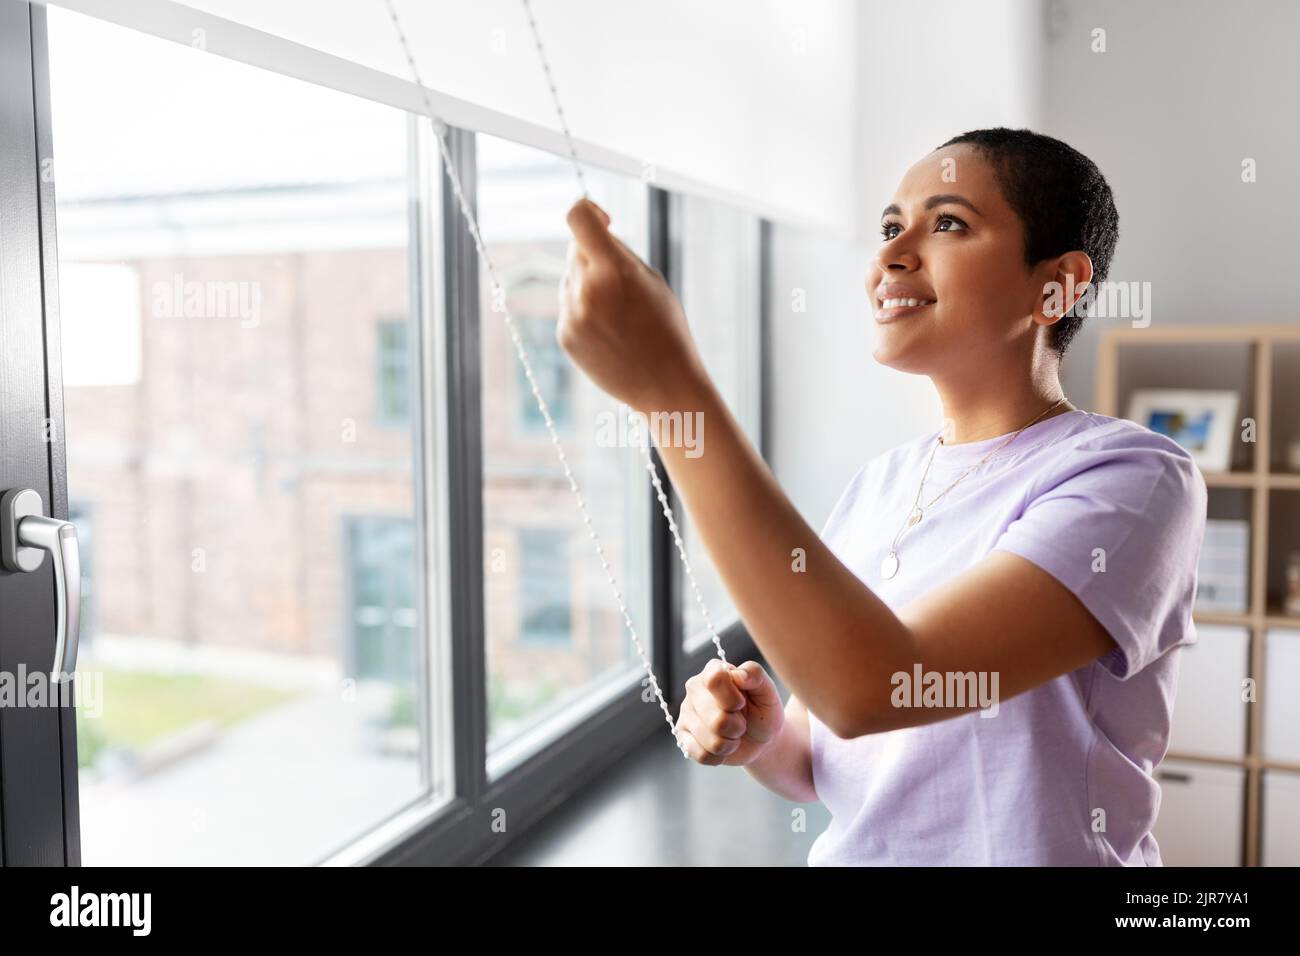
(1070,280)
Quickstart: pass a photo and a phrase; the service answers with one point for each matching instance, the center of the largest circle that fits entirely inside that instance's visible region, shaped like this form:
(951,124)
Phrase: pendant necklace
(889,566)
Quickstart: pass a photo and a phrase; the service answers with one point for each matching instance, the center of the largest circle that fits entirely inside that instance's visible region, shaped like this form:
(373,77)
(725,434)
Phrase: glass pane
(556,641)
(239,375)
(714,253)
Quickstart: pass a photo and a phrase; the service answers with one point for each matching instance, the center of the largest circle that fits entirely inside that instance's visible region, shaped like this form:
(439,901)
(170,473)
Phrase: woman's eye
(942,220)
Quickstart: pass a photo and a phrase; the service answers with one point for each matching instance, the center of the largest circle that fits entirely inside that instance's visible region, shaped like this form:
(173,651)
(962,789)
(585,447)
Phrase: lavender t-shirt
(1062,774)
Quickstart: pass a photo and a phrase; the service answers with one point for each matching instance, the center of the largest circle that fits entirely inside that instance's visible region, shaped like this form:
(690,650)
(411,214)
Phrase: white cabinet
(1280,698)
(1209,713)
(1200,821)
(1280,838)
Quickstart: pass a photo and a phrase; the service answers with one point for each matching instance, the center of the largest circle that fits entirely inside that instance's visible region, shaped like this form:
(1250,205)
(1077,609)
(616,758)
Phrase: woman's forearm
(833,642)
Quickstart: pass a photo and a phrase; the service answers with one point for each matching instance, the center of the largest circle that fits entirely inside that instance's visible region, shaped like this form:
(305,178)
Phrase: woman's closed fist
(730,714)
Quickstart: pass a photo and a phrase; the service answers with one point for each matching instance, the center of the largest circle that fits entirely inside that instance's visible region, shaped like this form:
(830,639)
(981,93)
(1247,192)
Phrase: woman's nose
(896,256)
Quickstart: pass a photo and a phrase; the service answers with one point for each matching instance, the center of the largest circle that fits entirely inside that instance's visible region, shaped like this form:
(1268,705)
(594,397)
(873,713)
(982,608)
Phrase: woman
(978,644)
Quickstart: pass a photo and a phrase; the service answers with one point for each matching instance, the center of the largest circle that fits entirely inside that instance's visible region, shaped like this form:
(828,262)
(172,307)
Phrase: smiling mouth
(892,309)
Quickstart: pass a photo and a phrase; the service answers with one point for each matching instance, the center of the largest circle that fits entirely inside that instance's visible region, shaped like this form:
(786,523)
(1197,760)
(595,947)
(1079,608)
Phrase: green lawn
(139,707)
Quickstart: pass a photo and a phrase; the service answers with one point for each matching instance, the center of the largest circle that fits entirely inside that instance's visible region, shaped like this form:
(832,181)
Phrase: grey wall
(1184,92)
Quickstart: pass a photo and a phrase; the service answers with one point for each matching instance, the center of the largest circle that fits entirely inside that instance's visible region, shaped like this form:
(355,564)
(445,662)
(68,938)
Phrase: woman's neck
(988,410)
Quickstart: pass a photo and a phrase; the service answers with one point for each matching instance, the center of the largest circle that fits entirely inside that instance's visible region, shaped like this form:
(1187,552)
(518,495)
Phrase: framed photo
(1201,421)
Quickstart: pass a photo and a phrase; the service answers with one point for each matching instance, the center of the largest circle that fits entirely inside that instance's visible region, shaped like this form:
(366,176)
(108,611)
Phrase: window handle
(26,534)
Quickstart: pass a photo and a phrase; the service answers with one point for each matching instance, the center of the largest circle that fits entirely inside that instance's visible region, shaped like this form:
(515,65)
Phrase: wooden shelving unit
(1261,480)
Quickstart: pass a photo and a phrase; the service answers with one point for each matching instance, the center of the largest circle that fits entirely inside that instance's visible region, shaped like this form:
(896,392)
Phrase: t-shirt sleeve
(1120,523)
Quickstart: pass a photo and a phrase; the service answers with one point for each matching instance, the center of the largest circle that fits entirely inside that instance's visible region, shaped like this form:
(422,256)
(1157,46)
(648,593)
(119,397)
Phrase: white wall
(925,72)
(930,69)
(832,406)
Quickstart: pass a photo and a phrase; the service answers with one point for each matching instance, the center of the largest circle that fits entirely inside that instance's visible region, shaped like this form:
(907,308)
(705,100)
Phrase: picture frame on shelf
(1201,420)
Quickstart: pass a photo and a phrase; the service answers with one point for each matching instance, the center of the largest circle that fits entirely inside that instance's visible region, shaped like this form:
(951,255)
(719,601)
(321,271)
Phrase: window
(715,262)
(535,312)
(259,392)
(382,599)
(258,644)
(555,638)
(393,376)
(544,600)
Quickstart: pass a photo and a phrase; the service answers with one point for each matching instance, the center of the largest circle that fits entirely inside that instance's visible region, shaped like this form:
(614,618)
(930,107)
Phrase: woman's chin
(899,352)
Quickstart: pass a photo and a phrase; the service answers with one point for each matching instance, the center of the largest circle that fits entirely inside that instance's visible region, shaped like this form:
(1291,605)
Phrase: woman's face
(951,240)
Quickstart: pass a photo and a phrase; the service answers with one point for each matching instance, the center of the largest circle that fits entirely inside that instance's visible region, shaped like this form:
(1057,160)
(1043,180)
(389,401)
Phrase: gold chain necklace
(889,566)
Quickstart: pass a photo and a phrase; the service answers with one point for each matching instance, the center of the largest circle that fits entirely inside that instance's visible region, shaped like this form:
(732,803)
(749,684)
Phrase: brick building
(241,432)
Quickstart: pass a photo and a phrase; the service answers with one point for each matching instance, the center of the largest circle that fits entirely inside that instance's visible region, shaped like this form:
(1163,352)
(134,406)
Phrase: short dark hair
(1061,197)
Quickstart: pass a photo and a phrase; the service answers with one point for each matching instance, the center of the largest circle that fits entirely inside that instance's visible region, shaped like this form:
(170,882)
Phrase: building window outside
(393,373)
(544,586)
(552,369)
(381,555)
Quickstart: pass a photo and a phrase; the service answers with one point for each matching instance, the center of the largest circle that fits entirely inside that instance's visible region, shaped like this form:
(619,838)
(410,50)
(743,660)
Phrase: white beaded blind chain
(645,452)
(440,132)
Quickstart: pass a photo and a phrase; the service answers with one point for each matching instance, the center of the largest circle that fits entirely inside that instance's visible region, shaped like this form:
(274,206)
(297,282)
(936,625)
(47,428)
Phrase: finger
(729,725)
(695,751)
(706,726)
(707,720)
(574,255)
(691,747)
(717,681)
(574,262)
(592,231)
(686,716)
(749,677)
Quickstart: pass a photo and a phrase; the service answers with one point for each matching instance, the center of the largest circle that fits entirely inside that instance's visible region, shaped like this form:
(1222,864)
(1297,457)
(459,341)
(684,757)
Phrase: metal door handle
(26,534)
